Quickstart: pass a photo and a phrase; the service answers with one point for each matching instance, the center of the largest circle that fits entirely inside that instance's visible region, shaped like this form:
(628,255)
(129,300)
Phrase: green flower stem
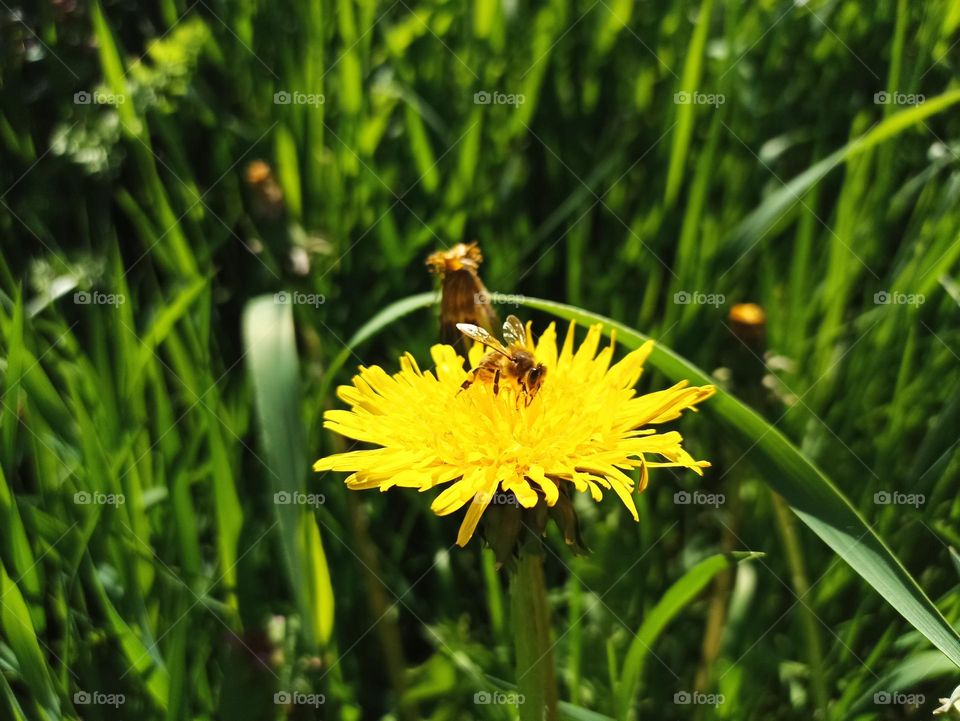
(536,677)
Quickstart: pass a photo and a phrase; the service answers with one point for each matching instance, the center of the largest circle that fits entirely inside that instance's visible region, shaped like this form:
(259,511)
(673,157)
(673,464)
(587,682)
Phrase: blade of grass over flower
(269,341)
(677,597)
(381,320)
(811,495)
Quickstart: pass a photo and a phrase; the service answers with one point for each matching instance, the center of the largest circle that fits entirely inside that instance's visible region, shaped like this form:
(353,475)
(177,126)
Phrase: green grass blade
(13,704)
(688,84)
(567,711)
(274,370)
(677,597)
(768,213)
(906,675)
(16,545)
(19,633)
(15,351)
(145,660)
(164,322)
(811,495)
(381,320)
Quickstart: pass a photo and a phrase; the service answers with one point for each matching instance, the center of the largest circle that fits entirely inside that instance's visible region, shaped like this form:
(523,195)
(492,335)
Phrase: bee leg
(467,383)
(496,382)
(523,392)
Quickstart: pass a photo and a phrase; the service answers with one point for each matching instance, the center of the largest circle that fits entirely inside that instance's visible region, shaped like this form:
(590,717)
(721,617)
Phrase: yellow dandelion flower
(586,427)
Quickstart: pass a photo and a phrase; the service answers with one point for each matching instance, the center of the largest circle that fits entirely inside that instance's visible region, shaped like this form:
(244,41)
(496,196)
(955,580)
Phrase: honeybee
(464,297)
(511,361)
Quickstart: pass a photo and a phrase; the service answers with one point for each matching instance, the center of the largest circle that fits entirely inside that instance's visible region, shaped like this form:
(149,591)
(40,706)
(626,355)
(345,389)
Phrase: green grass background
(201,598)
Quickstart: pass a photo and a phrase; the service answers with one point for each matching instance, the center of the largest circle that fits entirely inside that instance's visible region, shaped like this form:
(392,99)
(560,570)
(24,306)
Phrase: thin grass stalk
(786,524)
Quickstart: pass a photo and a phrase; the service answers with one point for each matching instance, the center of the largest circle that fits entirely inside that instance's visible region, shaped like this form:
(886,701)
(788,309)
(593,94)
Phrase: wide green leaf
(811,495)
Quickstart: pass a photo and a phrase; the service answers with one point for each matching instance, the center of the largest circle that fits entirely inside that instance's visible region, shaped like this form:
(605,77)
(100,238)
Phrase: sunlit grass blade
(268,333)
(688,85)
(16,710)
(166,319)
(19,633)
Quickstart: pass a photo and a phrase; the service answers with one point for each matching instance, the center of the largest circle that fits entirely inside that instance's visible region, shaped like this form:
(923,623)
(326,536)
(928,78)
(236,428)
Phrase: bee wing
(482,336)
(514,332)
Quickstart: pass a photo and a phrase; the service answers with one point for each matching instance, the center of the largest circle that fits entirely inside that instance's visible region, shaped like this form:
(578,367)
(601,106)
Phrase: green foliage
(144,429)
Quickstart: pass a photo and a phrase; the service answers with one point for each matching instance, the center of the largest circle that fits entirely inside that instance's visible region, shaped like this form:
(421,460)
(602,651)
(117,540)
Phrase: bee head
(534,378)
